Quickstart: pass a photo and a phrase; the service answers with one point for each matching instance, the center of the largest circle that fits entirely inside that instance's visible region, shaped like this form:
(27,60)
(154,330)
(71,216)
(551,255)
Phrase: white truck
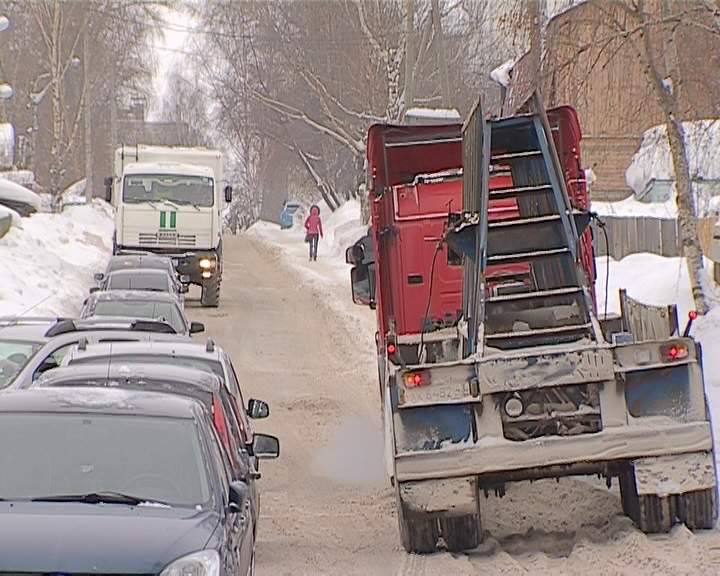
(169,200)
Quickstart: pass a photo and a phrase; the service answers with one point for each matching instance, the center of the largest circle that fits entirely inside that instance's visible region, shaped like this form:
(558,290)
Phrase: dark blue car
(287,215)
(116,481)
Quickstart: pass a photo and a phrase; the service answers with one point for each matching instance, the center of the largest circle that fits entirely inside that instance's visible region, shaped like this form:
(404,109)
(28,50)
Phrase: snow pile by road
(47,260)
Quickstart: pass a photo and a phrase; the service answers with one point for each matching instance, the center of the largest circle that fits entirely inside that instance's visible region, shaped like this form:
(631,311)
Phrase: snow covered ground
(47,260)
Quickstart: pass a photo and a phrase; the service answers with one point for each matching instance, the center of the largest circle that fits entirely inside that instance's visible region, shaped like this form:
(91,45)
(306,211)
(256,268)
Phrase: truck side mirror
(108,188)
(228,194)
(361,287)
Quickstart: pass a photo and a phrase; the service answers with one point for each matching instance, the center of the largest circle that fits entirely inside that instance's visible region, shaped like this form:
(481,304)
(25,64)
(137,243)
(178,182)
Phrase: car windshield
(135,281)
(14,355)
(180,189)
(211,366)
(164,311)
(155,459)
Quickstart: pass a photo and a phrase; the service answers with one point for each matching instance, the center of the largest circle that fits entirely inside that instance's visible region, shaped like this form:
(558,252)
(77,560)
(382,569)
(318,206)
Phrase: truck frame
(515,377)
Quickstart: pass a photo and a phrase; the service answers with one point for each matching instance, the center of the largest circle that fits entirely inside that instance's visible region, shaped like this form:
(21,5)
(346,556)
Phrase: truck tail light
(674,352)
(415,379)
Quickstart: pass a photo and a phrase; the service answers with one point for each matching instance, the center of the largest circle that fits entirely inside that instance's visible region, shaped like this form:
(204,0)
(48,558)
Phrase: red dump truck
(493,365)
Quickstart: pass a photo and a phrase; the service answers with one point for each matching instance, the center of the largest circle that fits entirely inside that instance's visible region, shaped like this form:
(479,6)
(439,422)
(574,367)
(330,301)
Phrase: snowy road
(326,506)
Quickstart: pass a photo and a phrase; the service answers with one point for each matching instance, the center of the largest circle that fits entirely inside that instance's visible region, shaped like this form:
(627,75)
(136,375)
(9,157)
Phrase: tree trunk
(409,89)
(440,46)
(666,94)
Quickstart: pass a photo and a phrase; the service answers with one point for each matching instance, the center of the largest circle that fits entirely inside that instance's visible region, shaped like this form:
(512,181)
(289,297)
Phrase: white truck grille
(167,239)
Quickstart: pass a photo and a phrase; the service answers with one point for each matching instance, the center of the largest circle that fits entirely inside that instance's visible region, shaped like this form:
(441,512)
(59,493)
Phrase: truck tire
(461,532)
(210,295)
(418,530)
(654,514)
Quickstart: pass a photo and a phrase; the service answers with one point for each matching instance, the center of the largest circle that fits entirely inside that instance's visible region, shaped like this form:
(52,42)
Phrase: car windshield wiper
(99,498)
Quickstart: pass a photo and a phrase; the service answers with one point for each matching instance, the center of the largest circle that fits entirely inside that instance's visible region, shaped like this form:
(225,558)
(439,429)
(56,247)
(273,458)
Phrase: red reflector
(692,314)
(391,348)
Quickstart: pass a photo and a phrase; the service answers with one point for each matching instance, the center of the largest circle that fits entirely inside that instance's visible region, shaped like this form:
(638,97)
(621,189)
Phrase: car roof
(139,271)
(126,374)
(118,295)
(167,347)
(130,261)
(99,401)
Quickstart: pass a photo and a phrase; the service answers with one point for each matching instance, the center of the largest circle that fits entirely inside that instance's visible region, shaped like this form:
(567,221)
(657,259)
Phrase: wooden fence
(637,234)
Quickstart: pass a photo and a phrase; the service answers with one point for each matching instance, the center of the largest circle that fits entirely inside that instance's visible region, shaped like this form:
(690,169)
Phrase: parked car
(138,304)
(144,279)
(200,384)
(31,346)
(113,481)
(287,215)
(145,261)
(208,356)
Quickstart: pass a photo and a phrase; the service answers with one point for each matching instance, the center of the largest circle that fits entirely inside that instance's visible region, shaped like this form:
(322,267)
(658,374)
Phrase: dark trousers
(313,243)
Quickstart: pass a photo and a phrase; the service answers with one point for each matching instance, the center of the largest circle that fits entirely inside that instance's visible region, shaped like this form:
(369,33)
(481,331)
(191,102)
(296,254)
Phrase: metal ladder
(547,302)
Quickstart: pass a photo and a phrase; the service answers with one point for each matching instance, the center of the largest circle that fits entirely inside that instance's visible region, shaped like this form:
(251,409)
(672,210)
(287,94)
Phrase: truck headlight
(203,563)
(205,263)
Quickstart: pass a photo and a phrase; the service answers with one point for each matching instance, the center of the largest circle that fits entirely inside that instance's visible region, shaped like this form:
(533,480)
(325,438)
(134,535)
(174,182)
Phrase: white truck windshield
(177,188)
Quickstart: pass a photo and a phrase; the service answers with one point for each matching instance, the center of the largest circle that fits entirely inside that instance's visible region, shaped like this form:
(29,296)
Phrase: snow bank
(502,73)
(75,193)
(330,275)
(7,145)
(47,265)
(15,194)
(431,116)
(653,161)
(554,8)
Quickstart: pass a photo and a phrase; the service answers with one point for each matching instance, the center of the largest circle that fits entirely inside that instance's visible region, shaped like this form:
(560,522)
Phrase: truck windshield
(195,190)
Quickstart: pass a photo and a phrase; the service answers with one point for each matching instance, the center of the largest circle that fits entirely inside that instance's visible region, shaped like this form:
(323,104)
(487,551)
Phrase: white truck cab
(169,200)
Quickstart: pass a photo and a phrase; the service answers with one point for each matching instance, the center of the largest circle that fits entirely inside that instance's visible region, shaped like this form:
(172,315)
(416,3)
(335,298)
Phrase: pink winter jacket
(313,224)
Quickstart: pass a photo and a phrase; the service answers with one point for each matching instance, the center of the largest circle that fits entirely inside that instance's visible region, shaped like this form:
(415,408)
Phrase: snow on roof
(7,145)
(502,74)
(632,207)
(653,162)
(451,116)
(18,194)
(554,8)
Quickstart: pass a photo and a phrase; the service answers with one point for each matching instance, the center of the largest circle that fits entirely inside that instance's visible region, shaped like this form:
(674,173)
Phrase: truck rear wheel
(418,530)
(461,532)
(653,514)
(210,296)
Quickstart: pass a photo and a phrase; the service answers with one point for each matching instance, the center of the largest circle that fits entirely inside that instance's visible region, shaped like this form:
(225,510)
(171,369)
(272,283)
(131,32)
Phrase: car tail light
(674,352)
(219,422)
(415,379)
(391,348)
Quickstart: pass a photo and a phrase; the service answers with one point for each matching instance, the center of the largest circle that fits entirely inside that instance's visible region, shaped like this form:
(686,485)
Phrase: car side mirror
(228,194)
(196,327)
(258,409)
(108,188)
(99,276)
(185,278)
(265,446)
(238,496)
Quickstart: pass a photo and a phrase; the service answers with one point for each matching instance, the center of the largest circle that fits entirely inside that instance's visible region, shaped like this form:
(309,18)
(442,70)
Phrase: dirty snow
(502,74)
(47,261)
(15,193)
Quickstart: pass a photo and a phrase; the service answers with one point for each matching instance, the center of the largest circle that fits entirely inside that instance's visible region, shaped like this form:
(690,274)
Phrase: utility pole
(409,92)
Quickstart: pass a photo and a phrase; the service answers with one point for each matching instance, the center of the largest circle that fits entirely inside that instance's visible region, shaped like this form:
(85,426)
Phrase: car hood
(101,538)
